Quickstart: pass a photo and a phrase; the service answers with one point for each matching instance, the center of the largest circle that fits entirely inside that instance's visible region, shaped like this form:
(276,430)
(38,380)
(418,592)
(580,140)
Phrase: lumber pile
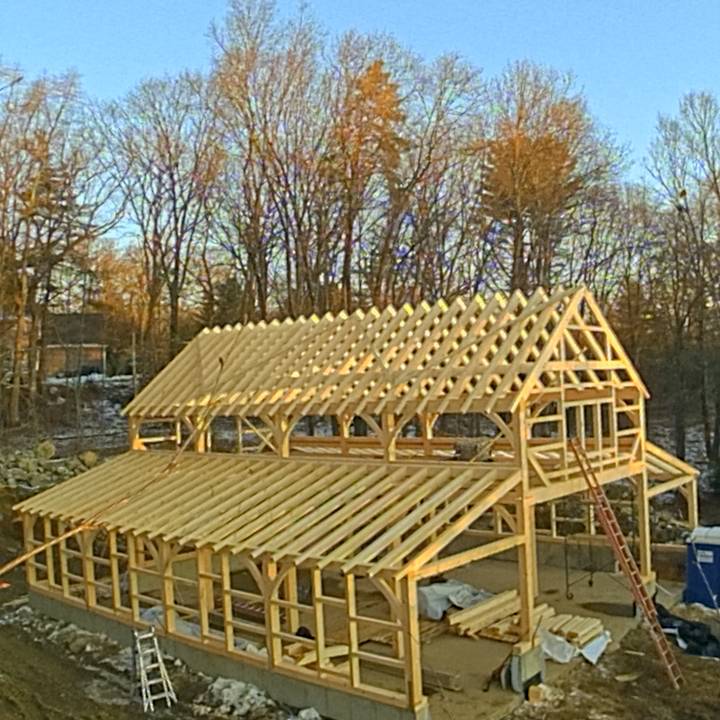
(508,629)
(485,613)
(575,629)
(498,618)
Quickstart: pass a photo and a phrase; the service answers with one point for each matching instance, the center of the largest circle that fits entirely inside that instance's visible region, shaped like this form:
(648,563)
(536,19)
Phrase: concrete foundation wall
(331,703)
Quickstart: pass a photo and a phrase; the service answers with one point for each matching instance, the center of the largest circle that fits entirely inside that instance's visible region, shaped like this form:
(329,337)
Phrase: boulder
(88,458)
(45,450)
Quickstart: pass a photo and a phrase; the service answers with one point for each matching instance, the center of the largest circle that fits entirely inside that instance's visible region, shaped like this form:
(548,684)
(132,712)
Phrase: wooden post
(86,539)
(413,667)
(62,551)
(291,595)
(533,551)
(28,523)
(643,504)
(343,422)
(200,439)
(526,559)
(134,434)
(281,429)
(205,589)
(132,577)
(427,420)
(389,436)
(319,615)
(227,601)
(165,556)
(49,557)
(272,613)
(353,643)
(114,570)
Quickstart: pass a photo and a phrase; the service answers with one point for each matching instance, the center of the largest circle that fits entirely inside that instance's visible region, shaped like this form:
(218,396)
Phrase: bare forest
(310,174)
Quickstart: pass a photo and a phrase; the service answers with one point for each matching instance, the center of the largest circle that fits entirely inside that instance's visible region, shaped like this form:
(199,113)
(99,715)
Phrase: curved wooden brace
(502,426)
(260,580)
(388,593)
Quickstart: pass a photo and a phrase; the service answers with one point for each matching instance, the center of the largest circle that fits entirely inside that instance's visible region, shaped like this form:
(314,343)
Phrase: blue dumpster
(703,566)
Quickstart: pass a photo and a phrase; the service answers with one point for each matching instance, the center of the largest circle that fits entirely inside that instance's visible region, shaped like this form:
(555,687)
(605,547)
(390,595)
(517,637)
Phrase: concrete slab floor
(608,599)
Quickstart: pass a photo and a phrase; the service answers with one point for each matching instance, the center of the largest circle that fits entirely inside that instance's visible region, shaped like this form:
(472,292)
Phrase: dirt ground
(631,683)
(37,680)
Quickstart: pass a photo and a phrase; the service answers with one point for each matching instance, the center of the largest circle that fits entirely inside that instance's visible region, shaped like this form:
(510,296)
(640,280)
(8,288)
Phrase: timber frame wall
(542,370)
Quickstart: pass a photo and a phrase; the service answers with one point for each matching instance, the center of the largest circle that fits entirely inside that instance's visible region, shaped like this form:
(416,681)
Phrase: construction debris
(695,638)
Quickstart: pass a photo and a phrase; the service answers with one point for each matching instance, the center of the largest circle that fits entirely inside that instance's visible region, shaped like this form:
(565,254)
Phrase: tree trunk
(20,305)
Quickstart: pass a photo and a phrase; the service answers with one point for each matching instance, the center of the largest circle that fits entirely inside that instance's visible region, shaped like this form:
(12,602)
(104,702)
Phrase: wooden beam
(411,643)
(669,485)
(86,538)
(466,557)
(165,568)
(204,589)
(28,523)
(319,616)
(114,571)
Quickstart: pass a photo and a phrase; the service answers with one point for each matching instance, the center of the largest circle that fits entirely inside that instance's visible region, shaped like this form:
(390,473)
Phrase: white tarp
(560,650)
(435,599)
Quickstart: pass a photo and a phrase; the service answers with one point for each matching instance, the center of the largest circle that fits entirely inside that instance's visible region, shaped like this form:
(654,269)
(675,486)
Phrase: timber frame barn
(234,552)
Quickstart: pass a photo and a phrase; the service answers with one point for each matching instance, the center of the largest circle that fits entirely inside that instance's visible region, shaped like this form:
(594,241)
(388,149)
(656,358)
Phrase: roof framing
(367,517)
(476,356)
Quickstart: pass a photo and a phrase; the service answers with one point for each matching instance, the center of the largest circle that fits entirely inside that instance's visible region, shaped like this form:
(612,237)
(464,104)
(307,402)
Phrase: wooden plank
(491,605)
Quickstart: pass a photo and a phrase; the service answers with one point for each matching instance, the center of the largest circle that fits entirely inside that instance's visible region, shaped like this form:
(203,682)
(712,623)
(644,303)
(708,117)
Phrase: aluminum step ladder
(627,563)
(151,675)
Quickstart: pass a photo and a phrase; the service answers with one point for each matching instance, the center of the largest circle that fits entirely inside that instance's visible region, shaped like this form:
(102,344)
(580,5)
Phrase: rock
(543,693)
(45,450)
(309,714)
(88,458)
(77,645)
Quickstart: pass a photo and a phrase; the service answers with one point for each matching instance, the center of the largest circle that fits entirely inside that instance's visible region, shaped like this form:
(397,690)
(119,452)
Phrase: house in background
(75,343)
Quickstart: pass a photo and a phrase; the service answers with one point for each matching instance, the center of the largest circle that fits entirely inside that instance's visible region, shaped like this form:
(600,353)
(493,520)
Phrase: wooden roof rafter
(371,516)
(476,356)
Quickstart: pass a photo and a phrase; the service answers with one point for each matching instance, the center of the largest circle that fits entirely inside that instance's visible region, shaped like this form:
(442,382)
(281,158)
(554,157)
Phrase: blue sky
(633,58)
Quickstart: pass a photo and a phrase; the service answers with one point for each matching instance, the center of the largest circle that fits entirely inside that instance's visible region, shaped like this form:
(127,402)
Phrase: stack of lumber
(498,618)
(487,612)
(575,629)
(508,629)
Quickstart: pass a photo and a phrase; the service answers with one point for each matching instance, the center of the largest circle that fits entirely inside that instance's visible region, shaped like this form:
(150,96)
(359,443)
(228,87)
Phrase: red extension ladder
(625,558)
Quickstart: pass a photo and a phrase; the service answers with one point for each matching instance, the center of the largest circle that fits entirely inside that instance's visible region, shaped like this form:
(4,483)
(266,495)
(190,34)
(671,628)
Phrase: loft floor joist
(247,547)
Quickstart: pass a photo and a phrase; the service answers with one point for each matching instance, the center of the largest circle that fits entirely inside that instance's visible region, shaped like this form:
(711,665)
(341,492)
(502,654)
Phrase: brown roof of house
(75,329)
